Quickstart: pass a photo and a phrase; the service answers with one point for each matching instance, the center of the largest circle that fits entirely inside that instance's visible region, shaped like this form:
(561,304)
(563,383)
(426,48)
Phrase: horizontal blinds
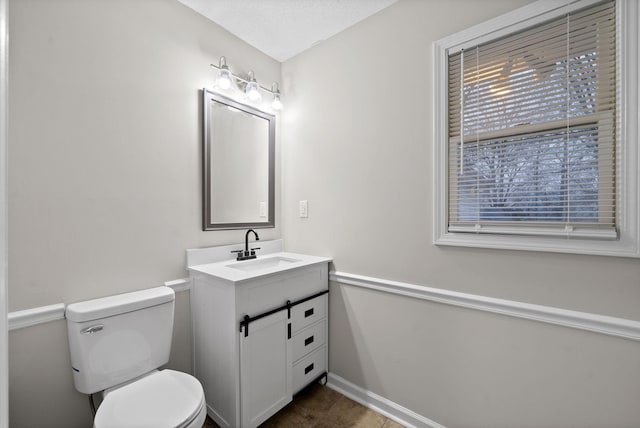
(532,128)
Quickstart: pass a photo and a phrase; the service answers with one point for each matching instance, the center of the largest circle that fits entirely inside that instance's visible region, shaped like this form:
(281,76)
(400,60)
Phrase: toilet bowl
(117,344)
(165,398)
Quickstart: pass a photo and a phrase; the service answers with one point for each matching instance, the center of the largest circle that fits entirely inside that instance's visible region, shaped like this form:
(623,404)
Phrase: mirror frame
(207,97)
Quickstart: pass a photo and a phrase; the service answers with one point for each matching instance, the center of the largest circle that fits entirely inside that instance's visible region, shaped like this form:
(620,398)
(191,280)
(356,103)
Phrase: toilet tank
(118,338)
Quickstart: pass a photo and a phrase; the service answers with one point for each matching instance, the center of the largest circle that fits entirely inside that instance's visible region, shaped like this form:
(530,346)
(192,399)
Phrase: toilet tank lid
(113,305)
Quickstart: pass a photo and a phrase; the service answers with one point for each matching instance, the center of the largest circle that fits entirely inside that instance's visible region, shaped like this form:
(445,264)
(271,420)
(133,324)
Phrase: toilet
(117,345)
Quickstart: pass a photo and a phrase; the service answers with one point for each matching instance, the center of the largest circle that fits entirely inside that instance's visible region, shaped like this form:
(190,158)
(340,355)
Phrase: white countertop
(225,270)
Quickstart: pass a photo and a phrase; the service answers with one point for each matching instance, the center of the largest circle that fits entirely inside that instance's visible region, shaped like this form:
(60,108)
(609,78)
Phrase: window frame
(627,161)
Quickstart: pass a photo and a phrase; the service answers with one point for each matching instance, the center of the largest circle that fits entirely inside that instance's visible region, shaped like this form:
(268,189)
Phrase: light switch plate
(263,209)
(304,209)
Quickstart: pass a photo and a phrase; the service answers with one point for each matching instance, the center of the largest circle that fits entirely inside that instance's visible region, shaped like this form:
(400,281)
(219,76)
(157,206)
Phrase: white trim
(45,314)
(4,202)
(388,408)
(612,326)
(178,285)
(628,244)
(35,316)
(629,92)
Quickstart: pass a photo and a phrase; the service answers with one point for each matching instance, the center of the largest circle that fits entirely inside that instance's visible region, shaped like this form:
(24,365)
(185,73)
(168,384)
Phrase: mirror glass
(239,152)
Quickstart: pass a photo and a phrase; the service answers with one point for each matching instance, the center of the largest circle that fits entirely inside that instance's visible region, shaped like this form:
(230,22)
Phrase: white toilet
(117,344)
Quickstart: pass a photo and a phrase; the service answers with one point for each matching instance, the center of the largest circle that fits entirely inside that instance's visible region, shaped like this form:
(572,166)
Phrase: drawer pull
(308,368)
(308,313)
(308,341)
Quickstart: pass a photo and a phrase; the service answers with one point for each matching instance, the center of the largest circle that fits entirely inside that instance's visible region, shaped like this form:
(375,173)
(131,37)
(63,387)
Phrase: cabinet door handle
(308,313)
(308,368)
(308,341)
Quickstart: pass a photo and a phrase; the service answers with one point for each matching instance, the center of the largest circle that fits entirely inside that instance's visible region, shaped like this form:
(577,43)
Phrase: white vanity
(259,329)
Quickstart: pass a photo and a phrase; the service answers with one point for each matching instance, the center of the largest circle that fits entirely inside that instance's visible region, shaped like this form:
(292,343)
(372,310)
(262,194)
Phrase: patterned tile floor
(322,407)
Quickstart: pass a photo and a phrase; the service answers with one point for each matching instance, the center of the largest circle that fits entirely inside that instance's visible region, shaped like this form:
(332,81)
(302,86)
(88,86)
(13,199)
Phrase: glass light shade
(224,78)
(252,91)
(276,104)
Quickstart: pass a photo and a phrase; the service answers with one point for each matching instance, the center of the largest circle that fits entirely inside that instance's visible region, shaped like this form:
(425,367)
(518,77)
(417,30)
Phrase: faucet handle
(252,252)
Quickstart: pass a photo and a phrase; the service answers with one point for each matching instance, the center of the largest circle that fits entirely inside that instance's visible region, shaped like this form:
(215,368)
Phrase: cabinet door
(265,369)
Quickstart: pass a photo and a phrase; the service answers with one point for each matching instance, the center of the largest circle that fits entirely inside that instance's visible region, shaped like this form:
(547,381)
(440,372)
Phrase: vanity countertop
(264,265)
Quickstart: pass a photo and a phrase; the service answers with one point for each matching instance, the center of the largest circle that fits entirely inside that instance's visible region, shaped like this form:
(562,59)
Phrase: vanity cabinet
(251,367)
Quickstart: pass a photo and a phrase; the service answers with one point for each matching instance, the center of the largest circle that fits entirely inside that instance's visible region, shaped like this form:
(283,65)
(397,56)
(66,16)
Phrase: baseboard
(373,401)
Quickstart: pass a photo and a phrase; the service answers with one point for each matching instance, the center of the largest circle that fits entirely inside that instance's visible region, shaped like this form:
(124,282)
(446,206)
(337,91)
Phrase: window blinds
(531,129)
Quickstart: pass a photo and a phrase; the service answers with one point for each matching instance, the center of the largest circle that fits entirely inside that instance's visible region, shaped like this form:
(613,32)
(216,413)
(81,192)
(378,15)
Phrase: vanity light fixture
(226,80)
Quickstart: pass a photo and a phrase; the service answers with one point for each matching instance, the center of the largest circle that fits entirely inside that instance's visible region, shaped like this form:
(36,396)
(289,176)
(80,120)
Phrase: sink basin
(214,263)
(264,263)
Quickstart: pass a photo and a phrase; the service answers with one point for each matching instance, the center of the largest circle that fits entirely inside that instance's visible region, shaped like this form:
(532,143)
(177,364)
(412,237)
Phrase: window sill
(623,247)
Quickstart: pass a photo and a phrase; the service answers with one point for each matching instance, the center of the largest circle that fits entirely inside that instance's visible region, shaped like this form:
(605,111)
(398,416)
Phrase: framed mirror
(238,165)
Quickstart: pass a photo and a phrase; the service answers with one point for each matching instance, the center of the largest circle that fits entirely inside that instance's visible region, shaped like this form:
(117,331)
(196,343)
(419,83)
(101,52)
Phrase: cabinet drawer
(308,312)
(309,339)
(259,296)
(309,368)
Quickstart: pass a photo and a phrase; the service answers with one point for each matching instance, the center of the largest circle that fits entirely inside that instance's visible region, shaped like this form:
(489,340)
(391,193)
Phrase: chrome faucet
(247,253)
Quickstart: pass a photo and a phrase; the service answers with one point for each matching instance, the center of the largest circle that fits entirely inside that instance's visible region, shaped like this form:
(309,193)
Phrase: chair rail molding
(612,326)
(48,313)
(35,316)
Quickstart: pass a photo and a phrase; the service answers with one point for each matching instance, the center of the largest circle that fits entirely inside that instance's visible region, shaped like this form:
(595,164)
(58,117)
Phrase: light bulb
(252,91)
(276,104)
(224,78)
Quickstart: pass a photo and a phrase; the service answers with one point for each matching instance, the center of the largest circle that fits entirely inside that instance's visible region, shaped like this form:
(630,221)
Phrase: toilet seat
(166,398)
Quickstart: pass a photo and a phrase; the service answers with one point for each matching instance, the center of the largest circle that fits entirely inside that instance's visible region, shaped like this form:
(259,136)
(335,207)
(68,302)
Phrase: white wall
(104,170)
(357,145)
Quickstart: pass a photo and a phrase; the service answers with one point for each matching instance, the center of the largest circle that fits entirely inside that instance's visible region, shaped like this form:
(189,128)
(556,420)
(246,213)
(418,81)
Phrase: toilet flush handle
(92,329)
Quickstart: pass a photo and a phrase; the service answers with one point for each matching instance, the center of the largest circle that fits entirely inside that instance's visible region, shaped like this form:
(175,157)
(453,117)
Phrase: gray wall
(104,170)
(357,145)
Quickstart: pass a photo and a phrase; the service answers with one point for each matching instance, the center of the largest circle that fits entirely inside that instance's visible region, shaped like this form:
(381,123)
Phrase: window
(532,149)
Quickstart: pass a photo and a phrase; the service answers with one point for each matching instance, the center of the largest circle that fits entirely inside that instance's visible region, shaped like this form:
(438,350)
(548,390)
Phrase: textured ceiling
(284,28)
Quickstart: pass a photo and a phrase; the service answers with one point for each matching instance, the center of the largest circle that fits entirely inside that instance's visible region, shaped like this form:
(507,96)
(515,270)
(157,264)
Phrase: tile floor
(322,407)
